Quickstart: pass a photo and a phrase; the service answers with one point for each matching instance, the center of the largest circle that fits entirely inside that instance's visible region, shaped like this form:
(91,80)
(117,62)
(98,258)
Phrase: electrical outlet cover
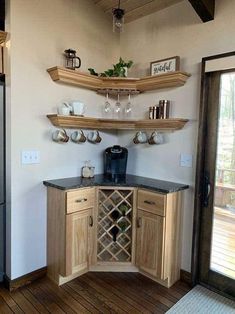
(30,157)
(186,160)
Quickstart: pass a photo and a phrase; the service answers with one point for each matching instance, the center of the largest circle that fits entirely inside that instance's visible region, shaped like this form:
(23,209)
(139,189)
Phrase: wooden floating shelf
(3,36)
(76,78)
(75,122)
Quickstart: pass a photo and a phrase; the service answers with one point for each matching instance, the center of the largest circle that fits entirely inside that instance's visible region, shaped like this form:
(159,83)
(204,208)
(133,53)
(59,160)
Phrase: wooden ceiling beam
(129,5)
(148,8)
(108,6)
(204,8)
(135,9)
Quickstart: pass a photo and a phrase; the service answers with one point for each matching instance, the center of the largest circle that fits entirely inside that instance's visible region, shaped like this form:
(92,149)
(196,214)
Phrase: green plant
(119,69)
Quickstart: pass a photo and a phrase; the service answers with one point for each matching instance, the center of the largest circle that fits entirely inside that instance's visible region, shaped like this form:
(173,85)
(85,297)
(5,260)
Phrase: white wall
(175,31)
(39,32)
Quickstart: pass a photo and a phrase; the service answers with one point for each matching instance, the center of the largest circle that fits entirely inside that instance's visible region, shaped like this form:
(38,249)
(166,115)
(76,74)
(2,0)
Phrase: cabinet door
(77,241)
(150,243)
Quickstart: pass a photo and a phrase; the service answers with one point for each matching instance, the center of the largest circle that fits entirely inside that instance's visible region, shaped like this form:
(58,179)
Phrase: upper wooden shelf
(3,36)
(76,122)
(72,77)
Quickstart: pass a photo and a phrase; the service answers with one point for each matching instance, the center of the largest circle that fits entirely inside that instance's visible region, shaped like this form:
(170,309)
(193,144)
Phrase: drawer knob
(149,202)
(81,200)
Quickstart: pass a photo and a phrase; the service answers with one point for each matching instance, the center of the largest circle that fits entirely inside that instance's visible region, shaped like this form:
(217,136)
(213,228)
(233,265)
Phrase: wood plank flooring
(93,293)
(223,245)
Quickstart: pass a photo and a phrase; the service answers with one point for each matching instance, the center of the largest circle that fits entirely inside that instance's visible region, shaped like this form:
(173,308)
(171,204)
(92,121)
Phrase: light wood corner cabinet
(70,233)
(80,232)
(158,236)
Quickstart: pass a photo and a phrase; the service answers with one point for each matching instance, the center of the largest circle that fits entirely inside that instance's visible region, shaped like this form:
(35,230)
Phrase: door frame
(2,83)
(199,180)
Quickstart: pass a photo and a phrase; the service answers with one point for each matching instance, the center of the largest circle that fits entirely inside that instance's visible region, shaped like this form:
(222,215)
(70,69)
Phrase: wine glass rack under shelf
(115,215)
(115,92)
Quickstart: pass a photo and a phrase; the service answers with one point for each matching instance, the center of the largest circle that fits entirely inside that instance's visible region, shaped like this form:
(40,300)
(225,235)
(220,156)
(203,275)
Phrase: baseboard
(185,276)
(15,284)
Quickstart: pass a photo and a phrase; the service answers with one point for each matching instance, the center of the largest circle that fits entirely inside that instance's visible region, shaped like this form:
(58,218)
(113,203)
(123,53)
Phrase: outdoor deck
(223,243)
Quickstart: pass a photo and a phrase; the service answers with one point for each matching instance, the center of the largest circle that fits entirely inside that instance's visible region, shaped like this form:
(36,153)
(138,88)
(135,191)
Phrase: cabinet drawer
(79,200)
(152,202)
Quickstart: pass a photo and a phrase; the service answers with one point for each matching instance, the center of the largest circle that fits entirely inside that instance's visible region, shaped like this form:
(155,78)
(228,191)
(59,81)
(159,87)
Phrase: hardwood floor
(93,293)
(223,246)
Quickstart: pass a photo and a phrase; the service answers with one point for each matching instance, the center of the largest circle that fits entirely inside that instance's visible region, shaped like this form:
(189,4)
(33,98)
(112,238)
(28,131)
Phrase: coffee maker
(115,161)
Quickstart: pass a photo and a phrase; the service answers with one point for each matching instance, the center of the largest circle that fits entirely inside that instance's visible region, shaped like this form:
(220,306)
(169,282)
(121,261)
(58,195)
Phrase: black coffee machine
(115,160)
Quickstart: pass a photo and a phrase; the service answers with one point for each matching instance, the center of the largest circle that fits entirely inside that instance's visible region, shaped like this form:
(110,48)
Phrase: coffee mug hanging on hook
(72,62)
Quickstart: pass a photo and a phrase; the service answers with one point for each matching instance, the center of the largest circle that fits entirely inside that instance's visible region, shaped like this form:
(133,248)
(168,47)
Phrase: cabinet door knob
(139,222)
(81,200)
(90,221)
(149,202)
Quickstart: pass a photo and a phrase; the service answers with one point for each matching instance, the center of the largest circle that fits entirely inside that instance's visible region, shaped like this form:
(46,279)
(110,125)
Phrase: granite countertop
(130,181)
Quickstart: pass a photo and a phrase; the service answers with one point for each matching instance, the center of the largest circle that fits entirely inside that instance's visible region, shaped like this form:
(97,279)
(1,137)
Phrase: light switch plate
(30,157)
(186,160)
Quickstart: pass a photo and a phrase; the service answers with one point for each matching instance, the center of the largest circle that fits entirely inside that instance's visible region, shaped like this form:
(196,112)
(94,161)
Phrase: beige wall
(40,31)
(175,31)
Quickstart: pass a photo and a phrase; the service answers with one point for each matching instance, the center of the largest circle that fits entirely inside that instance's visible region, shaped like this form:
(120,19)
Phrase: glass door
(217,239)
(223,231)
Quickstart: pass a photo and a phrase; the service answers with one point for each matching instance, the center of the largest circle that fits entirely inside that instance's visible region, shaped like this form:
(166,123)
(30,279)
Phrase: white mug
(78,137)
(60,136)
(94,137)
(78,108)
(64,109)
(156,138)
(140,137)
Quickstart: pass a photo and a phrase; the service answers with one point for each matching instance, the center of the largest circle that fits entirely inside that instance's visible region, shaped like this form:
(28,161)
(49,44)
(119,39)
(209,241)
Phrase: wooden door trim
(210,149)
(200,167)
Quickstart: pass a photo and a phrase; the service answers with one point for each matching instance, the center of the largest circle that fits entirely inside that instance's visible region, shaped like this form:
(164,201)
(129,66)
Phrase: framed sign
(165,65)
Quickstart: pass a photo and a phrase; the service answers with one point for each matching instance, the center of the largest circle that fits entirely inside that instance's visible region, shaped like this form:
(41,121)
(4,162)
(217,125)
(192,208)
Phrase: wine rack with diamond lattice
(115,215)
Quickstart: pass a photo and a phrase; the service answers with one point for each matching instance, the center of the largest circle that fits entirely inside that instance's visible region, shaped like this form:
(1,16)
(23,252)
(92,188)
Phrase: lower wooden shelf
(76,122)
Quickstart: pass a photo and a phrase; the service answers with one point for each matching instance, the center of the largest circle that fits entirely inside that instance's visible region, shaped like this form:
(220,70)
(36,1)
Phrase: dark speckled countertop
(129,181)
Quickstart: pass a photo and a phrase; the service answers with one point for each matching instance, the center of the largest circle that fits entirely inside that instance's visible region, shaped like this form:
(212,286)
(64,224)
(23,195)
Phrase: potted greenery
(119,69)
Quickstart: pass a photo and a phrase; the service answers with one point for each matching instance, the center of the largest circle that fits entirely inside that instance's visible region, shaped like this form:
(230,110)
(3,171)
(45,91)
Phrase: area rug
(203,301)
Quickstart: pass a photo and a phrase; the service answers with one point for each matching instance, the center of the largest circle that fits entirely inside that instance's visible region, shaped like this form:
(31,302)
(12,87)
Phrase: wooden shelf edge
(171,79)
(72,77)
(76,122)
(3,36)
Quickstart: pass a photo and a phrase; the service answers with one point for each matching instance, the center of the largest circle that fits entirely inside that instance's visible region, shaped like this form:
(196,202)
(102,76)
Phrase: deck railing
(224,191)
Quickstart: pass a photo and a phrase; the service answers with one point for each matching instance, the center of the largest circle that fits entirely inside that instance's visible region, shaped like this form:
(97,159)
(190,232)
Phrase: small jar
(164,108)
(155,112)
(88,171)
(151,113)
(85,171)
(92,172)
